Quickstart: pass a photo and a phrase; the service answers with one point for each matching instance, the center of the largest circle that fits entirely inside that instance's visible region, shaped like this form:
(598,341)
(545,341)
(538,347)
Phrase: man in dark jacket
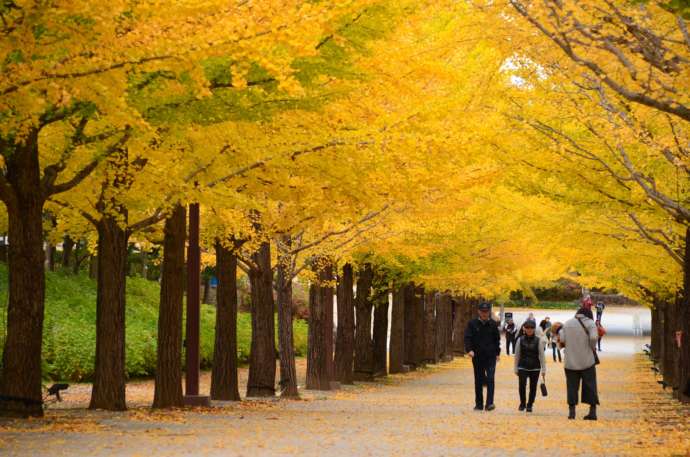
(483,344)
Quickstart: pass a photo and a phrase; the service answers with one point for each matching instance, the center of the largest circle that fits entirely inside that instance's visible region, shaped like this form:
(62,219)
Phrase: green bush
(69,333)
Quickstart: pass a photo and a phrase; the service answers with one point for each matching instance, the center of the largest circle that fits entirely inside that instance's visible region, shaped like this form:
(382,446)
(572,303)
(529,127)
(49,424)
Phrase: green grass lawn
(69,334)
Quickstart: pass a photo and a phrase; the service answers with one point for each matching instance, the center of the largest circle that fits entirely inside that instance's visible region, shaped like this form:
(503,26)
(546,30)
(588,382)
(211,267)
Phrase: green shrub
(69,333)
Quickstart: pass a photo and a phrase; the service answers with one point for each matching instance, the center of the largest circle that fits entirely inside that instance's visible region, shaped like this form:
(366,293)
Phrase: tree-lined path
(427,413)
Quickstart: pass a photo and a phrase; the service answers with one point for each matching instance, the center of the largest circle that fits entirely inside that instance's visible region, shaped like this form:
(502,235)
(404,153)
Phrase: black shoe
(478,408)
(592,416)
(521,407)
(571,412)
(529,408)
(490,407)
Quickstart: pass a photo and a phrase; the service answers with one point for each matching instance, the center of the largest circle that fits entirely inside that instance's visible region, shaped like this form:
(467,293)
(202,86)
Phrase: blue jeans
(484,371)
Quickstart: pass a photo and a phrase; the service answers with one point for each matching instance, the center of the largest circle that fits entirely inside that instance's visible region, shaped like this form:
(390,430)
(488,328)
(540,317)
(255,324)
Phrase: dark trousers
(510,341)
(599,343)
(484,371)
(556,350)
(523,376)
(588,378)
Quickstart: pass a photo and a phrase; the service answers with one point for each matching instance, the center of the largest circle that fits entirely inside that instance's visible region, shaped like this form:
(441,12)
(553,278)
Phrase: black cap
(529,323)
(485,306)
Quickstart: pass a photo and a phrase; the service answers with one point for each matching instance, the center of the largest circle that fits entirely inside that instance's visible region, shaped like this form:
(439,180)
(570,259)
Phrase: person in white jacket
(529,363)
(579,335)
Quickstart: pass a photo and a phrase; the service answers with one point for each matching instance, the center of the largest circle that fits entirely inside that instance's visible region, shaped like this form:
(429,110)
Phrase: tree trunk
(327,294)
(286,343)
(381,334)
(20,378)
(430,354)
(207,287)
(364,346)
(67,248)
(656,331)
(684,326)
(224,382)
(319,352)
(168,384)
(345,340)
(419,322)
(262,360)
(397,342)
(109,373)
(446,327)
(669,344)
(409,325)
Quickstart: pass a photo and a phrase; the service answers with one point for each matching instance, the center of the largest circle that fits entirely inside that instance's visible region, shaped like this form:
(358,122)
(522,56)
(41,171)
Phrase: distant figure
(600,309)
(555,348)
(510,330)
(529,362)
(579,335)
(530,317)
(483,344)
(545,326)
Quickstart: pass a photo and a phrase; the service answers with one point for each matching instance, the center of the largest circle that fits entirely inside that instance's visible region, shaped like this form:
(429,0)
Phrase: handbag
(542,387)
(594,352)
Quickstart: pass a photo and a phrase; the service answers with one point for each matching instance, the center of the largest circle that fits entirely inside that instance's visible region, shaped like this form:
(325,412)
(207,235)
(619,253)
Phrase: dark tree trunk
(109,373)
(656,331)
(364,346)
(419,322)
(446,327)
(684,326)
(409,325)
(669,344)
(397,342)
(224,382)
(345,341)
(262,359)
(20,378)
(67,248)
(319,352)
(430,352)
(381,334)
(3,249)
(286,342)
(168,385)
(327,293)
(459,324)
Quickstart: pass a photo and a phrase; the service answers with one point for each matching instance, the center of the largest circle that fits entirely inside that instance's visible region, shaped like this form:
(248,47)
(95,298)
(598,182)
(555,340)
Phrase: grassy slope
(69,336)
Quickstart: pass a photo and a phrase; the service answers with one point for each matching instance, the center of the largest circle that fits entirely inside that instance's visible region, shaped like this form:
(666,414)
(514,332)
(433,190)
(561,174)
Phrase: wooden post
(192,397)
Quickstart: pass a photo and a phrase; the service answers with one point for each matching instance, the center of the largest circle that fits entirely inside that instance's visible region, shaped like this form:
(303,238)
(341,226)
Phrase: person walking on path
(529,362)
(510,329)
(483,345)
(579,336)
(600,309)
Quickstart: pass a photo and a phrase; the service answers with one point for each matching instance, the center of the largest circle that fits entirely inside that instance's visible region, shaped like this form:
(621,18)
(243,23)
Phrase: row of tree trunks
(345,339)
(364,346)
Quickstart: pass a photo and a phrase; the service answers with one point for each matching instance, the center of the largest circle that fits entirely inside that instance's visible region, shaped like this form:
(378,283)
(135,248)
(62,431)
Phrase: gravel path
(426,413)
